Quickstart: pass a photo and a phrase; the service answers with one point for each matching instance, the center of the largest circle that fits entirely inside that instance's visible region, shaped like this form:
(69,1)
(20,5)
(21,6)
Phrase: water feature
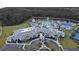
(75,34)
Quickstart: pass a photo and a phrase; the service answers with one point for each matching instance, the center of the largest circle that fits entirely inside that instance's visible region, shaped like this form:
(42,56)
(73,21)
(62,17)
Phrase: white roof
(23,30)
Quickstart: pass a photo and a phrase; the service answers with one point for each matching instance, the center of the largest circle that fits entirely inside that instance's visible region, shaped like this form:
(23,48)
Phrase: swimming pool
(34,24)
(46,23)
(43,23)
(75,34)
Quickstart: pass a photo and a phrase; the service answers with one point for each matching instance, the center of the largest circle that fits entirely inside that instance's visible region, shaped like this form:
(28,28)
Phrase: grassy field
(66,41)
(37,45)
(49,44)
(7,30)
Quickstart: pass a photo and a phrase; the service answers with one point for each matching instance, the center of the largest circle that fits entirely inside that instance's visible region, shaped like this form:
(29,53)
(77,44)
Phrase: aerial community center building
(49,29)
(33,32)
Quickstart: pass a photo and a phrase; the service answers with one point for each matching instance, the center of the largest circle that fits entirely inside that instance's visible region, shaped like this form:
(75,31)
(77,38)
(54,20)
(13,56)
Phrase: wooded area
(17,15)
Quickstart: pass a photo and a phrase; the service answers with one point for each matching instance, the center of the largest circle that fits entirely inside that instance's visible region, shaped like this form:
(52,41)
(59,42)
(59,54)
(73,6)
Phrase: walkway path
(42,40)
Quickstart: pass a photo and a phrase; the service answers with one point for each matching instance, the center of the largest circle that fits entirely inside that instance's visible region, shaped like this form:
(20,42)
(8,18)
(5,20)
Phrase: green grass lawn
(26,47)
(7,30)
(49,44)
(66,41)
(37,45)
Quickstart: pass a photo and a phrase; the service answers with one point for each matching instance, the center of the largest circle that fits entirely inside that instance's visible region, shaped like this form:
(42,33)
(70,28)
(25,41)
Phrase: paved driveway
(12,47)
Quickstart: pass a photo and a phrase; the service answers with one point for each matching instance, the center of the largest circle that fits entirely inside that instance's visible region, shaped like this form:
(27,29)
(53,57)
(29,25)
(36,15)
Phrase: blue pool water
(75,34)
(34,24)
(43,23)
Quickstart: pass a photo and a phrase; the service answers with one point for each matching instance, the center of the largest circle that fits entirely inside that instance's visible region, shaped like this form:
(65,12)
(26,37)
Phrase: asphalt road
(12,47)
